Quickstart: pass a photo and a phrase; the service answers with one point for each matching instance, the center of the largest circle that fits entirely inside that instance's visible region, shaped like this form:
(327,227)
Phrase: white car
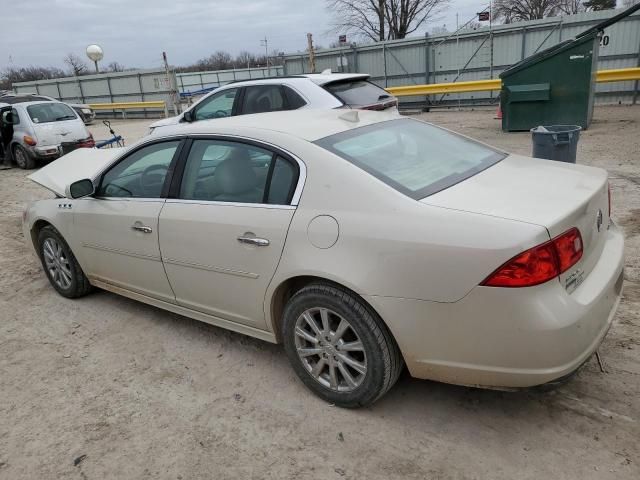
(323,90)
(361,241)
(40,129)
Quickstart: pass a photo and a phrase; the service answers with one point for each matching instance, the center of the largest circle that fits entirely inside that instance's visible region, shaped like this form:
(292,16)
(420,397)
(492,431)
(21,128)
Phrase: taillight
(539,264)
(29,140)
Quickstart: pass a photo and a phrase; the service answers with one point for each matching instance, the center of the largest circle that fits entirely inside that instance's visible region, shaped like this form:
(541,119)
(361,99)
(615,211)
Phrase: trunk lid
(77,165)
(555,195)
(54,133)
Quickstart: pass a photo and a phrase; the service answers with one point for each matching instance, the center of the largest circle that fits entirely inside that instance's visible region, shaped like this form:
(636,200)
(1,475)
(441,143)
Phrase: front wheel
(23,159)
(60,265)
(338,347)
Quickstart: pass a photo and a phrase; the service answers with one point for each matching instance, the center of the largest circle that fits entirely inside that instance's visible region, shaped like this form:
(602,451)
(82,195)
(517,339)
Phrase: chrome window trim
(127,199)
(230,204)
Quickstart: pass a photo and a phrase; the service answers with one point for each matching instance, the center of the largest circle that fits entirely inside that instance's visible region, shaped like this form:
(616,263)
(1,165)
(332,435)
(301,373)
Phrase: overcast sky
(135,32)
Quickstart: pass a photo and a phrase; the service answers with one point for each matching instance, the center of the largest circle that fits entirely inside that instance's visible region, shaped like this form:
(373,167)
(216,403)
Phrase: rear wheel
(60,265)
(23,159)
(338,347)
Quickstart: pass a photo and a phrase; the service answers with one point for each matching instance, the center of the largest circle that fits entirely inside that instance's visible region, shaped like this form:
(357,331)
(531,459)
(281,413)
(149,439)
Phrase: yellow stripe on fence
(617,75)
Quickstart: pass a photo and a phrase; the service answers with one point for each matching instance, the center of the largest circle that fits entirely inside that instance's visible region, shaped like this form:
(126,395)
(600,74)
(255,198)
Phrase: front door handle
(249,240)
(141,228)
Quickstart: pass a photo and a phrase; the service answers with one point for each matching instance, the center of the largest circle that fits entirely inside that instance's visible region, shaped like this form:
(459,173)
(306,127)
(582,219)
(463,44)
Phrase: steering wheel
(152,179)
(220,113)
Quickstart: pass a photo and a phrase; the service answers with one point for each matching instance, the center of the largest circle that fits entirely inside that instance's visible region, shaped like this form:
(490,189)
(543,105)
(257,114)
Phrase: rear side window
(50,112)
(357,93)
(263,98)
(294,101)
(223,171)
(414,157)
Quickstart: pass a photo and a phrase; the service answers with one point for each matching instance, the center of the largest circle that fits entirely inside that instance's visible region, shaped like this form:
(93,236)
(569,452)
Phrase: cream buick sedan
(362,241)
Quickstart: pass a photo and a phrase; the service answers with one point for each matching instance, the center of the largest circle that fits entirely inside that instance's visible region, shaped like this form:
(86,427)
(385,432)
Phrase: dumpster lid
(585,36)
(546,53)
(610,21)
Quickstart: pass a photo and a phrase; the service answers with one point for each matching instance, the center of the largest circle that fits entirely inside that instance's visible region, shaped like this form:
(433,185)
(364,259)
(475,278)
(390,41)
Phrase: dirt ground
(105,387)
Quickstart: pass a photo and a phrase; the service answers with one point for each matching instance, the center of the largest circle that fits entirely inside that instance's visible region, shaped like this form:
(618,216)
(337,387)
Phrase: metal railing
(615,75)
(123,106)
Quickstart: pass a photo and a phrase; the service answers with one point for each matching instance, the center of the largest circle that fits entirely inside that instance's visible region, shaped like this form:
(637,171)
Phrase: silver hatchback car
(36,128)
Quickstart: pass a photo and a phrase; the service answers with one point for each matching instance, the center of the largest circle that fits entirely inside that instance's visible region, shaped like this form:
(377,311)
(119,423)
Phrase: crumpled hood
(77,165)
(166,121)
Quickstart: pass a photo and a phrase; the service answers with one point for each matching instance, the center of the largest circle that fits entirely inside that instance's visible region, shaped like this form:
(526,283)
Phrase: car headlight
(87,111)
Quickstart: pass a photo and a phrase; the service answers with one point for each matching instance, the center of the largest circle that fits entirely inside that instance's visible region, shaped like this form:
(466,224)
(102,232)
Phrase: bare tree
(13,75)
(571,7)
(115,67)
(220,60)
(597,5)
(245,59)
(380,20)
(76,64)
(520,10)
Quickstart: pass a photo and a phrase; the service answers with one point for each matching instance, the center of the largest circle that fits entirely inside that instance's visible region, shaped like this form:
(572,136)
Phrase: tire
(60,265)
(23,159)
(366,349)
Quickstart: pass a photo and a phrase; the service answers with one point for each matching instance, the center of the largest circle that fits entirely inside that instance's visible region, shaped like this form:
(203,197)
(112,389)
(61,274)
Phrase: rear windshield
(50,112)
(414,157)
(358,92)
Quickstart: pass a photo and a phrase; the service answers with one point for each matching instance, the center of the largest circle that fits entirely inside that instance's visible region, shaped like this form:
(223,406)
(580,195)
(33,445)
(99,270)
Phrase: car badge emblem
(599,219)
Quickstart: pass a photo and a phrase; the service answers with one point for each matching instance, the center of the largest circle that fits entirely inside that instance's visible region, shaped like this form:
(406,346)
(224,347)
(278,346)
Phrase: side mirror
(188,116)
(80,188)
(7,118)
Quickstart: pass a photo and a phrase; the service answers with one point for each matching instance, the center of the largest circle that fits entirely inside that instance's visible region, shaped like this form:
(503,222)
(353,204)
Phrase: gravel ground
(105,387)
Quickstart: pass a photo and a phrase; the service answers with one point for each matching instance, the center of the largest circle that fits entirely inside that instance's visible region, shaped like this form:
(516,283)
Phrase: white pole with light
(95,54)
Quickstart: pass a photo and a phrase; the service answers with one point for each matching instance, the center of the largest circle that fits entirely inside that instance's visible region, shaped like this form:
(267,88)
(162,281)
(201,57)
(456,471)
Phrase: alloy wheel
(57,263)
(330,349)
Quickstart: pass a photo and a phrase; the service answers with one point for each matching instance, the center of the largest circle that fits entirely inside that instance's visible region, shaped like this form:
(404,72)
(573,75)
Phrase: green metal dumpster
(552,87)
(555,86)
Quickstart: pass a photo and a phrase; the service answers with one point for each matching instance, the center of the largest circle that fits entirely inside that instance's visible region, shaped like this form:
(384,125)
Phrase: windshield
(358,92)
(50,112)
(414,157)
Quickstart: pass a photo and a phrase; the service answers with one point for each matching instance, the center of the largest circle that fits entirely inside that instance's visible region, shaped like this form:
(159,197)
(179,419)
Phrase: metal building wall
(195,81)
(133,86)
(482,54)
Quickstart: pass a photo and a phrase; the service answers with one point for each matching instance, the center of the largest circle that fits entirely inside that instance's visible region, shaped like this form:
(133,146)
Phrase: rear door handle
(141,228)
(258,242)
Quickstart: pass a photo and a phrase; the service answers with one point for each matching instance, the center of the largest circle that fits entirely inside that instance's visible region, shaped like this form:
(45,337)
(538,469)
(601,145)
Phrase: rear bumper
(499,337)
(48,151)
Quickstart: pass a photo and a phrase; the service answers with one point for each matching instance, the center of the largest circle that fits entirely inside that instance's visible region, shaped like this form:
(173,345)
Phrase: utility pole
(265,44)
(312,54)
(173,94)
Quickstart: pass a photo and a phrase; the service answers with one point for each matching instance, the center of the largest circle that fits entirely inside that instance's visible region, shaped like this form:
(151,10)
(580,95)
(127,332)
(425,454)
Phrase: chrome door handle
(259,242)
(142,228)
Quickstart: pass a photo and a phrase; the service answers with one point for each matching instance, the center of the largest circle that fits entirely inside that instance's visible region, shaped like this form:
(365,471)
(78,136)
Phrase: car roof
(13,99)
(310,125)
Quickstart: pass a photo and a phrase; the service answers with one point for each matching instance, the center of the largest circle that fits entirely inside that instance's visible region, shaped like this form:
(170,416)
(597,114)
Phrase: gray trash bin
(556,142)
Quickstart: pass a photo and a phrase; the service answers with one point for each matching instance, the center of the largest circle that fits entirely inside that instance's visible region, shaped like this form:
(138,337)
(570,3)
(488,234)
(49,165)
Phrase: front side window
(414,157)
(50,112)
(219,105)
(140,175)
(263,98)
(222,171)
